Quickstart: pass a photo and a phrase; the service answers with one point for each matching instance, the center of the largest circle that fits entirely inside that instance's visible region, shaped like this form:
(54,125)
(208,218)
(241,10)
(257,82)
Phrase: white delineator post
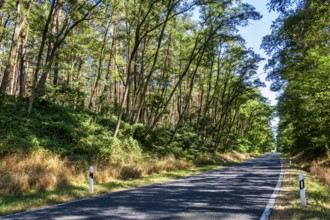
(91,176)
(302,189)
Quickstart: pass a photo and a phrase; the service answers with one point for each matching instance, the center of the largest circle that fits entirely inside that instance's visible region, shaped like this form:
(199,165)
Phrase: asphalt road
(241,191)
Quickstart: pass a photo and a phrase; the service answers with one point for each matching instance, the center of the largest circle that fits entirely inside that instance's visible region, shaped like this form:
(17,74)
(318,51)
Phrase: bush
(243,145)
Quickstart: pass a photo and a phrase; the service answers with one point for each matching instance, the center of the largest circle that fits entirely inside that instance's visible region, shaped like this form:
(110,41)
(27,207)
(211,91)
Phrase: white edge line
(271,202)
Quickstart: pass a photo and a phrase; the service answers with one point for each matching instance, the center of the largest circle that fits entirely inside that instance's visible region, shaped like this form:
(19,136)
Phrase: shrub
(243,145)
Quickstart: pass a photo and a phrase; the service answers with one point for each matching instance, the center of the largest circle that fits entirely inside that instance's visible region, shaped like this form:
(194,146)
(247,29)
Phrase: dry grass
(25,171)
(41,170)
(208,159)
(105,172)
(224,158)
(288,205)
(133,169)
(165,164)
(237,156)
(319,167)
(321,172)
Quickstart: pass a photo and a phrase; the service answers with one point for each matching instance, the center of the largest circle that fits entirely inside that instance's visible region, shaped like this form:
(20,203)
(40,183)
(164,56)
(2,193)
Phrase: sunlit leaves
(300,67)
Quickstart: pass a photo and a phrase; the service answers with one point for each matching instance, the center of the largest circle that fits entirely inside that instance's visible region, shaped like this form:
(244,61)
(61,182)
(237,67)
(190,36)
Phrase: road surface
(240,192)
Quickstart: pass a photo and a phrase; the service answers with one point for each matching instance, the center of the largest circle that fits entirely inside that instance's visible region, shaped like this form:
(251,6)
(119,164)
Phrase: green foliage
(157,140)
(300,67)
(84,135)
(67,132)
(243,145)
(186,139)
(178,86)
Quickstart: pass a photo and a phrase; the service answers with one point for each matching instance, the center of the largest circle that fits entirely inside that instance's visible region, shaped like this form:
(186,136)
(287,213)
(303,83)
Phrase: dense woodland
(78,77)
(300,70)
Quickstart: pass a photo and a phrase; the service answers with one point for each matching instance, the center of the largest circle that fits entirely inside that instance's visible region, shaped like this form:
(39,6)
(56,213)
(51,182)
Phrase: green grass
(288,204)
(16,203)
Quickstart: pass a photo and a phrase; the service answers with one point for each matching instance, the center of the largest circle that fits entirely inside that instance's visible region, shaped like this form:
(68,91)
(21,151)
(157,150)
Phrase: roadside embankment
(288,204)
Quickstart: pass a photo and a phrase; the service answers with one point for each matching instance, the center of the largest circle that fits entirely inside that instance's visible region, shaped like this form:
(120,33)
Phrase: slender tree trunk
(38,86)
(39,58)
(191,87)
(99,69)
(124,101)
(8,75)
(23,72)
(146,84)
(56,26)
(194,53)
(111,62)
(56,70)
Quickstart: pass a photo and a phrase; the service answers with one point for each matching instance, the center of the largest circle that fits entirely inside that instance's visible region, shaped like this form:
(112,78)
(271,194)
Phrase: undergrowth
(55,145)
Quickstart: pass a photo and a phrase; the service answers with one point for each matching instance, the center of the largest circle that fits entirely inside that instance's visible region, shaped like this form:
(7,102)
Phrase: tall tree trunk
(194,53)
(191,87)
(41,49)
(22,67)
(99,69)
(56,26)
(38,86)
(124,101)
(146,84)
(111,62)
(8,74)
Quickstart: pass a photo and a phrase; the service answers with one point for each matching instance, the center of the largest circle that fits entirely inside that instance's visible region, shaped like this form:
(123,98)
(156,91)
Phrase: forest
(182,84)
(113,80)
(300,70)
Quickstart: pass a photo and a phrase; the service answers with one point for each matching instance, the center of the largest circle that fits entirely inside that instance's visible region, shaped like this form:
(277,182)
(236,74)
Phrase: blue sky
(253,34)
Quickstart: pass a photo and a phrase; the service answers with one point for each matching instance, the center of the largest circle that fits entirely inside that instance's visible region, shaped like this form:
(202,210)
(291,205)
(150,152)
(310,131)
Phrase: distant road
(240,192)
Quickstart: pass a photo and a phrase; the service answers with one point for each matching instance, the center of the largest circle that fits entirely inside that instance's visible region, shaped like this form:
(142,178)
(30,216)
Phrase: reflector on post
(302,189)
(91,177)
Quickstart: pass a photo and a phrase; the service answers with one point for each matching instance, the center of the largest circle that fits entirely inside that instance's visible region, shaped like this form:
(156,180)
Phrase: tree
(300,69)
(9,76)
(147,62)
(69,25)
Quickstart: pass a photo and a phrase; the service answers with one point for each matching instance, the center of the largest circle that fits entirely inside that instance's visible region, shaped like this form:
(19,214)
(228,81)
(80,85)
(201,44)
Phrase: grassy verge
(16,203)
(288,204)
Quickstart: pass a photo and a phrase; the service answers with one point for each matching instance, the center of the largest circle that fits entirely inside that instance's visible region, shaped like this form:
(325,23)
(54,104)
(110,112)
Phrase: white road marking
(271,202)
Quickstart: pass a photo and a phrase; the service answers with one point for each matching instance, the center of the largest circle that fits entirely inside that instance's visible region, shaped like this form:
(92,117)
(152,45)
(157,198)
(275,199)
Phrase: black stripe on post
(301,184)
(91,175)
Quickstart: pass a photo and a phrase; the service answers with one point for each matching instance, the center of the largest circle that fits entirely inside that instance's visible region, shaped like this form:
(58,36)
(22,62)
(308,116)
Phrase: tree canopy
(299,68)
(180,81)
